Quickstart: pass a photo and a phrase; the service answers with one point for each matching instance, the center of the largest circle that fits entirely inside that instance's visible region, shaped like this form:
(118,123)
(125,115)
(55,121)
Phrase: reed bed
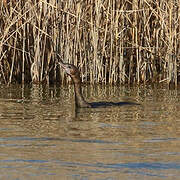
(111,41)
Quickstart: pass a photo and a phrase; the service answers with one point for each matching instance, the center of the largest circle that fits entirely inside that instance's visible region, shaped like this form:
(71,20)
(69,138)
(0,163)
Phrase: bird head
(70,69)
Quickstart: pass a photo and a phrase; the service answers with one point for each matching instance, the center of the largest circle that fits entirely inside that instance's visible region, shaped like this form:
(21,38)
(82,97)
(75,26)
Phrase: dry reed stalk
(110,41)
(13,60)
(1,68)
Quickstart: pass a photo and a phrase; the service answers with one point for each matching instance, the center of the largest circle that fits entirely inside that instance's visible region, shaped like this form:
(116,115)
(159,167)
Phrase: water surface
(43,136)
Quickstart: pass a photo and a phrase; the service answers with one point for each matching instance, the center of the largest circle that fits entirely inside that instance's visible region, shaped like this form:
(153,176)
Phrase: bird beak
(62,64)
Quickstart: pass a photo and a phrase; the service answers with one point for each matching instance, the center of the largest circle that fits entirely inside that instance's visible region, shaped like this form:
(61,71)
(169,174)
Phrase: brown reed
(110,41)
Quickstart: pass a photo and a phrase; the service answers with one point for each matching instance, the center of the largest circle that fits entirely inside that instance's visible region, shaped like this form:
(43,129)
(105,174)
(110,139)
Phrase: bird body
(74,73)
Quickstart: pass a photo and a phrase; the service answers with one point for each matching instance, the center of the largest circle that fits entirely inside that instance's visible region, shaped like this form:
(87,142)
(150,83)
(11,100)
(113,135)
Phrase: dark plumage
(74,73)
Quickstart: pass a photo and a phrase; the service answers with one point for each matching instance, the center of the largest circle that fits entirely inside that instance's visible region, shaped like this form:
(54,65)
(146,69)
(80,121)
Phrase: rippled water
(43,136)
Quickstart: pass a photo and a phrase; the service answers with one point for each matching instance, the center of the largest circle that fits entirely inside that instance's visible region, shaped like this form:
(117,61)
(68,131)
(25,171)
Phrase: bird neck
(79,99)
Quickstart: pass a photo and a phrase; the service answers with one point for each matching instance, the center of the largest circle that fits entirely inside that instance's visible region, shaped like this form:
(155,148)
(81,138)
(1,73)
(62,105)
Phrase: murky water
(42,136)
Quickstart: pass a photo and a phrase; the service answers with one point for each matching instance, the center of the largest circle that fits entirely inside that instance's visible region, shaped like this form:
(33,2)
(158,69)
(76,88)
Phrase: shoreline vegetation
(111,41)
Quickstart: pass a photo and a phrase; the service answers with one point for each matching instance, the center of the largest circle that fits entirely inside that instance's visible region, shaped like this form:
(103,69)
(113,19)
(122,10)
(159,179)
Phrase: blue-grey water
(43,136)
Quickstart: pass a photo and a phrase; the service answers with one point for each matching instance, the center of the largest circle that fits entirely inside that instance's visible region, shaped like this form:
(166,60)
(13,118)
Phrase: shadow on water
(42,136)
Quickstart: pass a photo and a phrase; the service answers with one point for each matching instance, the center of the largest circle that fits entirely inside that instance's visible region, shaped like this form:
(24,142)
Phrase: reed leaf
(116,42)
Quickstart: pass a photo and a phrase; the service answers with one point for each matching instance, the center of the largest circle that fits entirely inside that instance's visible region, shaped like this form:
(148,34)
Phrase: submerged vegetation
(111,41)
